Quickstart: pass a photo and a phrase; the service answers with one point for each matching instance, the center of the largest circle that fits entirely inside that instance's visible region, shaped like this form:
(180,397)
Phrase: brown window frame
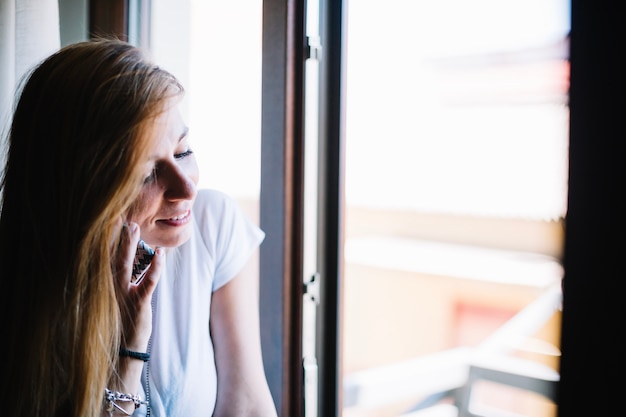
(281,201)
(108,18)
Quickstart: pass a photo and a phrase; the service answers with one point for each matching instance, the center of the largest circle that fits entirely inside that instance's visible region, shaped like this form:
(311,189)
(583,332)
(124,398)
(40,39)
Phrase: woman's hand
(135,299)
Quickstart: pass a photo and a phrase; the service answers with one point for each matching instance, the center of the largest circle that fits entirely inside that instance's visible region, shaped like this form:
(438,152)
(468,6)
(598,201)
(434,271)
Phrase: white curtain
(29,31)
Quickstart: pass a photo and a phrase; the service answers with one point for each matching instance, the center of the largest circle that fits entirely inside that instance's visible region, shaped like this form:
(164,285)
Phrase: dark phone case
(143,257)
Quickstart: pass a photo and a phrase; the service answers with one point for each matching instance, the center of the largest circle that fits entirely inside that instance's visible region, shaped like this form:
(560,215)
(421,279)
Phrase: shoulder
(226,231)
(213,206)
(219,216)
(209,198)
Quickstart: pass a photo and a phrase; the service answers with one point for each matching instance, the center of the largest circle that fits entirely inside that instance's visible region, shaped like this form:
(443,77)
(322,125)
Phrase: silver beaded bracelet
(112,397)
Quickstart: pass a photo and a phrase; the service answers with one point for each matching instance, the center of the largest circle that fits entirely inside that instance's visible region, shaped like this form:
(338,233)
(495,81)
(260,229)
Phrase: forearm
(127,382)
(247,408)
(250,399)
(121,396)
(242,388)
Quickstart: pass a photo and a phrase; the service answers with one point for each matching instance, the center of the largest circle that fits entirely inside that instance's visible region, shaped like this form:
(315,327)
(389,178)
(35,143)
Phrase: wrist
(142,356)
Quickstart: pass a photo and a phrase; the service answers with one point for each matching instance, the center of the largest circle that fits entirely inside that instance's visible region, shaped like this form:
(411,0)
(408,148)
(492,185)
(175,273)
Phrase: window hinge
(314,48)
(311,289)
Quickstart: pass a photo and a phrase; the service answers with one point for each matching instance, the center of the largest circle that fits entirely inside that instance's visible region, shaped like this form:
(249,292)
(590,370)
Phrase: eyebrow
(182,136)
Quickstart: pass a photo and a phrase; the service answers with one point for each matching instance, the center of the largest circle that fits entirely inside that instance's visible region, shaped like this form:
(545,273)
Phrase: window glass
(214,47)
(456,189)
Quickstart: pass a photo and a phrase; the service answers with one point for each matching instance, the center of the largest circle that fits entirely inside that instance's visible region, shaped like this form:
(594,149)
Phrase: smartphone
(143,257)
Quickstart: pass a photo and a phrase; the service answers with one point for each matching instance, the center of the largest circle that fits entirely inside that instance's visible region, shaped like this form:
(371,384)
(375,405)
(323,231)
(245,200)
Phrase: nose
(178,184)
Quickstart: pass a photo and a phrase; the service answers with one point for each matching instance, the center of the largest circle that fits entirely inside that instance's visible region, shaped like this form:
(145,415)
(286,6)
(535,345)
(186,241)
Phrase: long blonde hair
(80,129)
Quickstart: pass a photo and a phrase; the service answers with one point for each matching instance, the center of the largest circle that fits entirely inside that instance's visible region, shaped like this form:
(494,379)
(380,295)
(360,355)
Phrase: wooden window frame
(281,201)
(593,305)
(108,18)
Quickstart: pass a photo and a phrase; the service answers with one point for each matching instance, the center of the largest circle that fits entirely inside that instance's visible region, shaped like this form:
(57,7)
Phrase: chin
(172,240)
(179,240)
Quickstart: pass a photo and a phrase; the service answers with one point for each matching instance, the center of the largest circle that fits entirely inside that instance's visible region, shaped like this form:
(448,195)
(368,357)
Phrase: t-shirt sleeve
(227,231)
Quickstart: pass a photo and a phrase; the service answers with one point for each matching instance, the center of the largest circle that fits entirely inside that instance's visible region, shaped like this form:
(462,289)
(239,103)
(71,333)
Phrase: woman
(99,157)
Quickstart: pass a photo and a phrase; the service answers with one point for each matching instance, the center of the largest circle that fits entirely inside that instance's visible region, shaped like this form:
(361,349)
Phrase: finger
(126,253)
(115,240)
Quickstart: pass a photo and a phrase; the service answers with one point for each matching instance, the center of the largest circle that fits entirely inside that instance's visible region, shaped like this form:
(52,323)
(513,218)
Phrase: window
(215,48)
(457,129)
(596,172)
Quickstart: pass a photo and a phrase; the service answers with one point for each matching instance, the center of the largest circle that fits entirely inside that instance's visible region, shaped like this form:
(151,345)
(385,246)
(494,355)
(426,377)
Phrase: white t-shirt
(181,371)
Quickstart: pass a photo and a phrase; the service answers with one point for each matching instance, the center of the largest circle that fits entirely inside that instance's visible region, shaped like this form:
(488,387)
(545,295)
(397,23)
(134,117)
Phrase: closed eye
(183,155)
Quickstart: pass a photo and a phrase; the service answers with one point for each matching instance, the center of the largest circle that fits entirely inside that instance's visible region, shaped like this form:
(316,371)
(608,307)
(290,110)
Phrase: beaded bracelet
(112,397)
(135,355)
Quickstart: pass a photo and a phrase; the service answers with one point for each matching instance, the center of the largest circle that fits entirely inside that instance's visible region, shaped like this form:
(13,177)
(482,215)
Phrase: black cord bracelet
(135,355)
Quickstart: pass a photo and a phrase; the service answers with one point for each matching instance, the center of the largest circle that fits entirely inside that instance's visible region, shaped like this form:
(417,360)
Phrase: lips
(178,219)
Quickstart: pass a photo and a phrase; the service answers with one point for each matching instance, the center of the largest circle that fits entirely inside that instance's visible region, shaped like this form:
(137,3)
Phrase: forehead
(169,127)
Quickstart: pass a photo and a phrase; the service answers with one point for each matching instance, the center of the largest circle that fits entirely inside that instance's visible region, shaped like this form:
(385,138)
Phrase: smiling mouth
(180,216)
(178,219)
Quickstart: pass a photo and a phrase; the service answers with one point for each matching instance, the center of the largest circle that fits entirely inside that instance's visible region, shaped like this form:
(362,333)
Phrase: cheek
(140,209)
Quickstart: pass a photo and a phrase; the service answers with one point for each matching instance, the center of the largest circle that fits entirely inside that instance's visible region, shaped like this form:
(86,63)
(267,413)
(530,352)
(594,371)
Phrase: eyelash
(177,156)
(183,154)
